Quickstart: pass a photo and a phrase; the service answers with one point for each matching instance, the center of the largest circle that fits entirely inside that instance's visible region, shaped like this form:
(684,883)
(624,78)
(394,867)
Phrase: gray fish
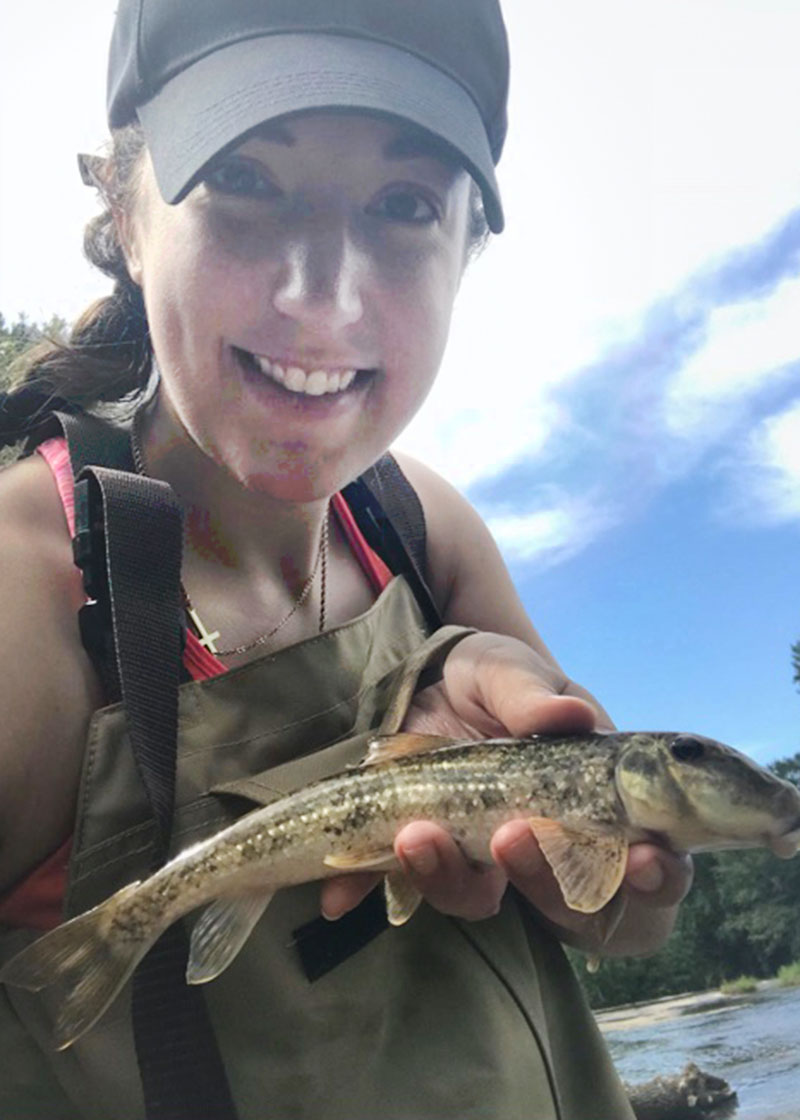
(587,798)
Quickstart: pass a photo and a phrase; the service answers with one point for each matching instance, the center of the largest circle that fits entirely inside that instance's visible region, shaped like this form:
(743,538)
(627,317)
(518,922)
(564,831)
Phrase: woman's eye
(405,206)
(239,176)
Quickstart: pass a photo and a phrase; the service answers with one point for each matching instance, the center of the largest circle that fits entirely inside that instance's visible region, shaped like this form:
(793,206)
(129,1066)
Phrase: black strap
(135,579)
(138,586)
(400,503)
(372,514)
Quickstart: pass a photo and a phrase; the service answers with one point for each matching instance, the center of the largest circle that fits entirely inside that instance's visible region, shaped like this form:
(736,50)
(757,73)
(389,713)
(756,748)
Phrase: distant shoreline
(632,1015)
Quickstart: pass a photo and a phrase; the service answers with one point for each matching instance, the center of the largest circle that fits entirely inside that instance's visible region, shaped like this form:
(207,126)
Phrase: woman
(292,196)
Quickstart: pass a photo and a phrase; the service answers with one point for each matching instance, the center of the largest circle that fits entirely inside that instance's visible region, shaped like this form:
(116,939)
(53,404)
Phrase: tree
(17,337)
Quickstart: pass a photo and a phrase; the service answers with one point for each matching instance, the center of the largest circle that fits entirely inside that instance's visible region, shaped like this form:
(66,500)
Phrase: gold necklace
(208,638)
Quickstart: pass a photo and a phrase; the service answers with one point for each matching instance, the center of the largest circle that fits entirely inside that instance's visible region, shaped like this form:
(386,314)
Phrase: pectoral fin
(589,866)
(388,748)
(402,897)
(220,933)
(365,859)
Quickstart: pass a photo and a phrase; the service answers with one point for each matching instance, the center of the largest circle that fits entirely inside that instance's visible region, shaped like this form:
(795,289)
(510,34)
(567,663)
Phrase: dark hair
(108,355)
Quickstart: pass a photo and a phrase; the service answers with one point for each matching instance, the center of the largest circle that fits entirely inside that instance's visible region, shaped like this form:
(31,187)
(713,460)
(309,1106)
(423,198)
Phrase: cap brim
(207,107)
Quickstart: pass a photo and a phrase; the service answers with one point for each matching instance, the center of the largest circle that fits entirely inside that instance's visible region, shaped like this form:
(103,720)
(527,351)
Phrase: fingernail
(648,878)
(424,860)
(518,854)
(332,905)
(516,849)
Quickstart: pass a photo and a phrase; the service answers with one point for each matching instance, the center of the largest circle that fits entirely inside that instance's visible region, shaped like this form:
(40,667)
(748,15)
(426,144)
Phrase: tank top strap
(56,455)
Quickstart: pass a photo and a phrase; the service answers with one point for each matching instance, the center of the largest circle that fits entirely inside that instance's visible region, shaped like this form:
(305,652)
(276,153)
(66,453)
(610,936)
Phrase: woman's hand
(496,686)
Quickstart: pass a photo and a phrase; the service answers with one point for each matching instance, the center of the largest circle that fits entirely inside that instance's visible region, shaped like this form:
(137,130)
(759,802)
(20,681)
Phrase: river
(752,1040)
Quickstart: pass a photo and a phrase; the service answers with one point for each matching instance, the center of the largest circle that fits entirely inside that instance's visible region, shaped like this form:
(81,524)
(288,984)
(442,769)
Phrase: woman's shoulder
(37,550)
(28,492)
(466,570)
(47,686)
(464,563)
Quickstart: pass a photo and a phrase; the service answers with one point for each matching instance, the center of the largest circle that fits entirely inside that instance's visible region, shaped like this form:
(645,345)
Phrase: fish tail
(82,965)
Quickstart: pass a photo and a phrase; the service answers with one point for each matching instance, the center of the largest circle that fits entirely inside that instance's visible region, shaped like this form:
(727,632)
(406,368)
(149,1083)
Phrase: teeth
(317,383)
(295,379)
(314,384)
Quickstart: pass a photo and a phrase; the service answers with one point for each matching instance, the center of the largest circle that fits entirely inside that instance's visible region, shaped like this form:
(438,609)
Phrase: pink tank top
(37,901)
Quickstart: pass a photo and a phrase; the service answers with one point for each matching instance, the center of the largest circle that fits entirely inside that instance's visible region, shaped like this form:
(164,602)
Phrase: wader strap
(134,579)
(93,442)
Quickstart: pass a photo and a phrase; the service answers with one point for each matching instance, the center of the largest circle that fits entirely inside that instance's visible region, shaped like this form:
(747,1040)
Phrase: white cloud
(767,476)
(549,535)
(749,346)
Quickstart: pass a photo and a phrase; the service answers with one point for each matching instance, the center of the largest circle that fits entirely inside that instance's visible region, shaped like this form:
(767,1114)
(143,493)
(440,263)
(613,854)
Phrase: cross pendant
(206,640)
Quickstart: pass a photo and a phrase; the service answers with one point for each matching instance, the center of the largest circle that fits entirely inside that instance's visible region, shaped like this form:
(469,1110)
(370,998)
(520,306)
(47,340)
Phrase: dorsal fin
(388,748)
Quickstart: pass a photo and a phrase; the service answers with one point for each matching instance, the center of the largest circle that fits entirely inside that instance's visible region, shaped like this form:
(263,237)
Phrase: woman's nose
(321,280)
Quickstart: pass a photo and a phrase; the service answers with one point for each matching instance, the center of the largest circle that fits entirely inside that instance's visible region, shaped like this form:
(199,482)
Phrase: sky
(621,394)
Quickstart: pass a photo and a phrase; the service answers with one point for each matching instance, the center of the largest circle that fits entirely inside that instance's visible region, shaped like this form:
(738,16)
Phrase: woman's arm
(47,686)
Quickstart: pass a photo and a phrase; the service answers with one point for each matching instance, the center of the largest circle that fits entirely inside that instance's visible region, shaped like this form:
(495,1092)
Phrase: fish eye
(685,748)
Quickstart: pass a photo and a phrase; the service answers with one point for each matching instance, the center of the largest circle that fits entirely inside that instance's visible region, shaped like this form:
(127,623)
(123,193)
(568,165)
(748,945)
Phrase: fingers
(515,850)
(444,876)
(656,877)
(439,870)
(344,892)
(656,880)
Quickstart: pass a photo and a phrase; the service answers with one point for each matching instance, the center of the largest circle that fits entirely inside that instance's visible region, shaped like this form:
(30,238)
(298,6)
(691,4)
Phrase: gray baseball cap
(200,74)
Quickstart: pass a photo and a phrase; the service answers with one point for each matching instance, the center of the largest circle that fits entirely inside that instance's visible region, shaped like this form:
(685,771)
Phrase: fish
(586,798)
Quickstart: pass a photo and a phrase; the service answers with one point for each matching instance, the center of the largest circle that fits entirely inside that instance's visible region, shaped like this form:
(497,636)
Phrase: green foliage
(739,987)
(741,918)
(789,975)
(17,337)
(788,768)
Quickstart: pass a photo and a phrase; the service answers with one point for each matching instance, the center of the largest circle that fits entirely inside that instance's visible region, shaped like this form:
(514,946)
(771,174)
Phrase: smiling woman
(291,195)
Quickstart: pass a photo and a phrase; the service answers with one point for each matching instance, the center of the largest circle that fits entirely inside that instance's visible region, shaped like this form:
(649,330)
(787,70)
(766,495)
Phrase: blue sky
(664,576)
(620,397)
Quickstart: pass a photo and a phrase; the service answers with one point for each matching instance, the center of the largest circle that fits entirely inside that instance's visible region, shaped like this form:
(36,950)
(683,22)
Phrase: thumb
(502,686)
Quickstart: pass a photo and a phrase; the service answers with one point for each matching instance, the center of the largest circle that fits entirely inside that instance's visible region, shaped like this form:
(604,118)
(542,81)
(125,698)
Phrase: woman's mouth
(300,382)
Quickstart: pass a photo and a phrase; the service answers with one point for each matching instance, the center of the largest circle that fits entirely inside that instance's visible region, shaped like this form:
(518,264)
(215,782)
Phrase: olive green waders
(437,1019)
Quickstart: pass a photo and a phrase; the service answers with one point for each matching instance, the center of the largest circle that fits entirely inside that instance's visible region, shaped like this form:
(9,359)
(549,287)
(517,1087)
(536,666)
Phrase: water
(753,1041)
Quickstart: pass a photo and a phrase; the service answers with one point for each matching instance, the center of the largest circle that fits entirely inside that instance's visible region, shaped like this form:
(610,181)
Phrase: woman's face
(299,298)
